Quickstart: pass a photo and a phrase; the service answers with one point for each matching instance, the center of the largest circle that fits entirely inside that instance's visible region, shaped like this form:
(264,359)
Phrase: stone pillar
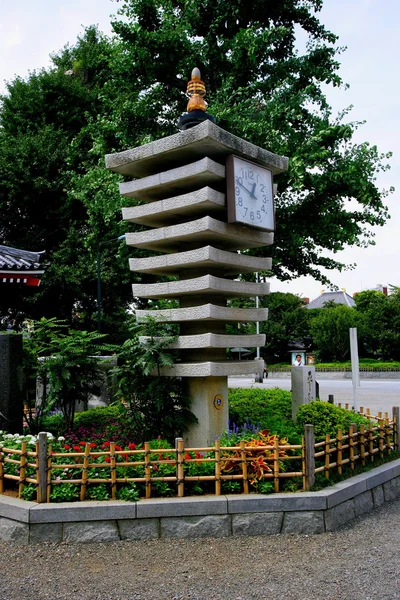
(303,387)
(210,405)
(11,383)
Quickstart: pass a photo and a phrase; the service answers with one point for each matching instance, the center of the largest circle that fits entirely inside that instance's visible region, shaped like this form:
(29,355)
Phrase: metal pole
(120,237)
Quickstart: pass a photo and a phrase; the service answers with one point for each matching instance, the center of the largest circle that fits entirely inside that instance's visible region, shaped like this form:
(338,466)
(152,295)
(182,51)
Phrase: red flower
(67,447)
(187,456)
(76,448)
(93,445)
(82,443)
(118,447)
(132,446)
(106,444)
(108,459)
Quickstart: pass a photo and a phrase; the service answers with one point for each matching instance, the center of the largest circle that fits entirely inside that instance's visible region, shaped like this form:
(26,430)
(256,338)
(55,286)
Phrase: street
(375,394)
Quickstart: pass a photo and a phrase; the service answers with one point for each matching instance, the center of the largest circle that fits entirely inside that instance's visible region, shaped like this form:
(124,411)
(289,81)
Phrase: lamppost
(120,237)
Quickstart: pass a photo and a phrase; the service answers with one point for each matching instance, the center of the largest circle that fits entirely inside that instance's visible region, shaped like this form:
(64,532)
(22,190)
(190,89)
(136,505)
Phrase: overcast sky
(32,29)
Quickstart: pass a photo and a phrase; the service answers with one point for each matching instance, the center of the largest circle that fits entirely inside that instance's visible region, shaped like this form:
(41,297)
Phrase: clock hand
(253,190)
(245,188)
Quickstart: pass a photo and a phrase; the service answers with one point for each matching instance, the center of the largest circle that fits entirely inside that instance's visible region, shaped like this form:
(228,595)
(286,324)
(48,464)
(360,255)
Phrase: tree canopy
(105,95)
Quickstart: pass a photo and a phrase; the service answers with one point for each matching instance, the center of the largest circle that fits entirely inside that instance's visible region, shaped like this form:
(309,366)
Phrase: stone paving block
(257,523)
(15,508)
(180,507)
(196,527)
(45,532)
(13,531)
(345,490)
(139,529)
(378,496)
(67,512)
(303,522)
(391,489)
(276,502)
(339,515)
(363,503)
(91,531)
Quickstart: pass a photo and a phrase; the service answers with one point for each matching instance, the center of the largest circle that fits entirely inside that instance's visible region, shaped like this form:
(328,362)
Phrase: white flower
(60,438)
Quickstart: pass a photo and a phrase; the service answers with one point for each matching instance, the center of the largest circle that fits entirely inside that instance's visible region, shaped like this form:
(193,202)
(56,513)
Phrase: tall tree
(105,95)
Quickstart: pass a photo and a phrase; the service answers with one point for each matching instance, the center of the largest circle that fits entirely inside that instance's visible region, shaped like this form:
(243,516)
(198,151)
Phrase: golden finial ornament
(196,108)
(196,90)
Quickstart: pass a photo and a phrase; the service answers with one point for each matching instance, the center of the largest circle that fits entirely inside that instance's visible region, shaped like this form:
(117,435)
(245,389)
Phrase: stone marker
(181,181)
(11,383)
(303,387)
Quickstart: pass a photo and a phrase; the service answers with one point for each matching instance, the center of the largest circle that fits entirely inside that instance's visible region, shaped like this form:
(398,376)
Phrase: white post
(355,368)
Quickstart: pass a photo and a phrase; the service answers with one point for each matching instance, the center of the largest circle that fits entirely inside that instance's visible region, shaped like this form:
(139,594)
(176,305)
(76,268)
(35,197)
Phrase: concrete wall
(193,517)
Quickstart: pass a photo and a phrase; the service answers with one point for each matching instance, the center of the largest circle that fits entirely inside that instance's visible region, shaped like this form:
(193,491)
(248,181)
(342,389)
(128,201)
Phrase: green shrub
(53,424)
(267,409)
(327,418)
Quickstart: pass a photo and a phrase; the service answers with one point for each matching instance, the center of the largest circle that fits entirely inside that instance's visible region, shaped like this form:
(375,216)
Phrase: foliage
(157,405)
(327,418)
(330,331)
(271,409)
(382,322)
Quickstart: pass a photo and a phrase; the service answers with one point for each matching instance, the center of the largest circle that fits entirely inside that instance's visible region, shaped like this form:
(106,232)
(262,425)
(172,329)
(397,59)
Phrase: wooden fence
(215,465)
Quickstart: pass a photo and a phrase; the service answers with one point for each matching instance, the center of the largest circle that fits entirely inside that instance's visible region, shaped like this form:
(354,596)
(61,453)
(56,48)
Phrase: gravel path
(360,562)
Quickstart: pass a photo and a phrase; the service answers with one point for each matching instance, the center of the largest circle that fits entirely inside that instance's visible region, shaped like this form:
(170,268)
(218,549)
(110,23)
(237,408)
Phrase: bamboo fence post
(309,456)
(276,464)
(48,473)
(113,463)
(381,437)
(85,472)
(339,457)
(371,442)
(346,406)
(331,399)
(22,469)
(1,472)
(362,444)
(244,467)
(379,415)
(395,412)
(351,446)
(387,435)
(180,472)
(41,461)
(327,455)
(217,468)
(147,470)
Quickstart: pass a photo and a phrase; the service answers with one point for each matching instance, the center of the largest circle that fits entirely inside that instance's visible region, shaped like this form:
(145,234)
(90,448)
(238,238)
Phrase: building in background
(20,267)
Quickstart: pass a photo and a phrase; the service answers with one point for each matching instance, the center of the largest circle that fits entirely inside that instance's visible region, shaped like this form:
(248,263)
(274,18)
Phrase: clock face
(250,197)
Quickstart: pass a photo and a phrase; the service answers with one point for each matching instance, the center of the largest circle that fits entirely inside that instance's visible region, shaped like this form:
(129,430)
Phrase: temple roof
(336,297)
(20,266)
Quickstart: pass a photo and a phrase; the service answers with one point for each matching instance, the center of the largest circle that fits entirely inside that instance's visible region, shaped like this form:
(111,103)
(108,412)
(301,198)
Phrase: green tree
(105,95)
(330,331)
(382,322)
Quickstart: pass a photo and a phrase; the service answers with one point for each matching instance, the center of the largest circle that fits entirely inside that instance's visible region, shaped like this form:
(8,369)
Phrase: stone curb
(193,517)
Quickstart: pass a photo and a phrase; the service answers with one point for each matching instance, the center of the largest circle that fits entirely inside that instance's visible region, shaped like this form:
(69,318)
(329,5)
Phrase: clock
(249,192)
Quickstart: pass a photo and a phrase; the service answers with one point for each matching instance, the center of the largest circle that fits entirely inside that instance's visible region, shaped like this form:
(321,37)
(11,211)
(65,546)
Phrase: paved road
(375,394)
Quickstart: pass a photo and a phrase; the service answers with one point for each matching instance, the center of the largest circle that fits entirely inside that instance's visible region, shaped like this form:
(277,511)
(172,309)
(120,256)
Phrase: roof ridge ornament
(196,107)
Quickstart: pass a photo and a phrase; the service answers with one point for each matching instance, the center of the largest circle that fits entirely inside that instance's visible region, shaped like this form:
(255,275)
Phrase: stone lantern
(182,182)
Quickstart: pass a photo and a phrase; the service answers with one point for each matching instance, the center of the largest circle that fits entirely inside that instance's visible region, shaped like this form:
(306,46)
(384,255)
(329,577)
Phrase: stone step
(205,312)
(213,340)
(209,259)
(198,233)
(207,285)
(204,172)
(206,139)
(177,209)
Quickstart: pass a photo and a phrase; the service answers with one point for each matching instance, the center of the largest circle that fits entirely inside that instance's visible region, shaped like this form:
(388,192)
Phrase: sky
(30,30)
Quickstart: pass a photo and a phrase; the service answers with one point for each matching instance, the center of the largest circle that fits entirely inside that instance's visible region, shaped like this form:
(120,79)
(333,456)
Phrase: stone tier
(188,178)
(206,139)
(177,209)
(207,259)
(214,368)
(204,286)
(205,312)
(213,340)
(230,236)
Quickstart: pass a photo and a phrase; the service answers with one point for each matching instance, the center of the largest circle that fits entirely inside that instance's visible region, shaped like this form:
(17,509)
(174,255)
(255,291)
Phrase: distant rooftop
(336,297)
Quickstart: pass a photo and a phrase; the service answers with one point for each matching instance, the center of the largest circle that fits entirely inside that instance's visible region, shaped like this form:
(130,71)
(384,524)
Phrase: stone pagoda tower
(183,182)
